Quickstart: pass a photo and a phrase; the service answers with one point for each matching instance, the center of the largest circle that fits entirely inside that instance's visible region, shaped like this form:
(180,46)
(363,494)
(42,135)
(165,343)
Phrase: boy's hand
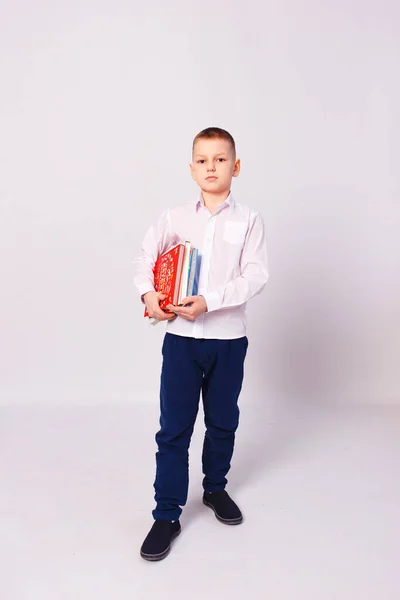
(193,307)
(152,301)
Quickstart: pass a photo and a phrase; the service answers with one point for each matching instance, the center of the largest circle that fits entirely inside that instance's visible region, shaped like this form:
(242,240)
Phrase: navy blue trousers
(192,366)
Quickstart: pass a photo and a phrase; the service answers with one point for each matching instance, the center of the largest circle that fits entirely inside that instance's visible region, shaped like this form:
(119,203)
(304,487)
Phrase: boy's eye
(201,160)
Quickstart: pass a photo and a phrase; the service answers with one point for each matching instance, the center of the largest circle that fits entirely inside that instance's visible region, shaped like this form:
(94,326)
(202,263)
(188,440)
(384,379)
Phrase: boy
(205,345)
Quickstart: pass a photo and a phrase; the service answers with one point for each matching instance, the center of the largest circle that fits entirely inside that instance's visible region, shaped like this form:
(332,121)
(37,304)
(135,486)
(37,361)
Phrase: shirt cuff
(213,301)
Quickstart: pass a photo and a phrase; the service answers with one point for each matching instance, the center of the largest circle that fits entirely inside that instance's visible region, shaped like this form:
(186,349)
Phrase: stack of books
(176,275)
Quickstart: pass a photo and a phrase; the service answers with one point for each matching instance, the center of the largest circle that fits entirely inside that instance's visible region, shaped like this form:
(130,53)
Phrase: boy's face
(214,165)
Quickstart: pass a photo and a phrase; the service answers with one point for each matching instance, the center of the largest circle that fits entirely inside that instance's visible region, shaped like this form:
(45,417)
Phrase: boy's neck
(212,201)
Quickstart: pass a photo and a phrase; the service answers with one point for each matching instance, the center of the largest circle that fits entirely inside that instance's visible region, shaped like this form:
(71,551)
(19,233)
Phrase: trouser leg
(181,380)
(221,387)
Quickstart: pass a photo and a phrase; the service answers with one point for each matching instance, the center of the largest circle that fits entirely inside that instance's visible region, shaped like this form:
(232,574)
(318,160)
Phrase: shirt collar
(229,201)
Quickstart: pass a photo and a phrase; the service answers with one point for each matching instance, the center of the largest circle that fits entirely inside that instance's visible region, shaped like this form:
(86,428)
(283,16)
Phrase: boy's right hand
(152,301)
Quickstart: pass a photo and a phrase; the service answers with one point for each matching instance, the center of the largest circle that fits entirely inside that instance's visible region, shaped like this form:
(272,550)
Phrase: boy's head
(214,161)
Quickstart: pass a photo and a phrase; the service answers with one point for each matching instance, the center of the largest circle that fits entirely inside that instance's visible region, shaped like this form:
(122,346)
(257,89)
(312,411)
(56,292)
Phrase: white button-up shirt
(233,263)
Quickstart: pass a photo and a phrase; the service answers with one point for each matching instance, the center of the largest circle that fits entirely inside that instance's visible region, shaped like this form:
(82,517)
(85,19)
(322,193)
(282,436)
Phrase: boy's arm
(254,272)
(156,241)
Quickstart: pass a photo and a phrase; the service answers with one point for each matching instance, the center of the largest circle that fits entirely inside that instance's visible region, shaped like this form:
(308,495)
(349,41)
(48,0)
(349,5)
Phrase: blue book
(193,273)
(189,271)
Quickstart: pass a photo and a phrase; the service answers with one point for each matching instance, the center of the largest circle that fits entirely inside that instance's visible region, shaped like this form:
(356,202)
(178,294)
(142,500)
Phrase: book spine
(178,277)
(189,272)
(193,270)
(184,279)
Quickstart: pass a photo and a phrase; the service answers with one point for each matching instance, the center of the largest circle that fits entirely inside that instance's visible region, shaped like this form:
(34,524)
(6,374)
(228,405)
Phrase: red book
(167,275)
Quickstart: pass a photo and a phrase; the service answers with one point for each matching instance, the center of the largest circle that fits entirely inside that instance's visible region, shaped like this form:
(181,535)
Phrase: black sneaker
(157,544)
(224,507)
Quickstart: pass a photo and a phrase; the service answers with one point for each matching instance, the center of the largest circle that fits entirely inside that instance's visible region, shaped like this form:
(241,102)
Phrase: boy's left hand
(197,306)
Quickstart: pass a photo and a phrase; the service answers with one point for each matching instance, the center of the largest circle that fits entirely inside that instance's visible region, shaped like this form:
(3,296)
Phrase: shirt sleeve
(254,271)
(157,240)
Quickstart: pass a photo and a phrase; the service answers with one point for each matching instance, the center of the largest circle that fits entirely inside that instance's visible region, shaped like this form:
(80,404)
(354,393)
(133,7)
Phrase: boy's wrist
(201,296)
(144,294)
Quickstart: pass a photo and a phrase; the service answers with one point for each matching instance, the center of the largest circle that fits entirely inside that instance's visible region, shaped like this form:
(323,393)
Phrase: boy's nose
(211,168)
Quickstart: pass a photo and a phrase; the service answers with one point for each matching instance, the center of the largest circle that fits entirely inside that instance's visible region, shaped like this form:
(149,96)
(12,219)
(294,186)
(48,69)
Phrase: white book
(185,273)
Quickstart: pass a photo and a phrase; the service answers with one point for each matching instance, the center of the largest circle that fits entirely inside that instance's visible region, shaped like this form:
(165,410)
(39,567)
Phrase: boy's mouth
(211,178)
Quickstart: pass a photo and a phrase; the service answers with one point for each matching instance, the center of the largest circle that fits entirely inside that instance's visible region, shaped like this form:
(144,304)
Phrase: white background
(99,104)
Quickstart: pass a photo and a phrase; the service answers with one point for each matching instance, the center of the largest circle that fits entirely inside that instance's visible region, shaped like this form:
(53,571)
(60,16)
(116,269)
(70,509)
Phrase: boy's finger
(186,317)
(180,310)
(174,308)
(159,314)
(165,317)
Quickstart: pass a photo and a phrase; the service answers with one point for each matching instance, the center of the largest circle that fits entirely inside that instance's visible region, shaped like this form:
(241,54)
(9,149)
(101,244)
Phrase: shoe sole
(155,557)
(225,521)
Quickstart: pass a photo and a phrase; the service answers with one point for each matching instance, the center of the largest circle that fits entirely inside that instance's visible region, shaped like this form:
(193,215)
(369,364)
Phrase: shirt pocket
(235,232)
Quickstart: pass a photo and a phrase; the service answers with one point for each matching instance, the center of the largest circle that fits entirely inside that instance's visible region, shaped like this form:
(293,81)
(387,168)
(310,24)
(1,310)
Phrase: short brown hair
(213,133)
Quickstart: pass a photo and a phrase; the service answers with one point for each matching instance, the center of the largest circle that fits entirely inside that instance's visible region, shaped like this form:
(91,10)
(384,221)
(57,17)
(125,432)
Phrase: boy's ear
(191,169)
(236,168)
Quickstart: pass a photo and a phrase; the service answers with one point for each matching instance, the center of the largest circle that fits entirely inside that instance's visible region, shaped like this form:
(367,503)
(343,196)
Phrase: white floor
(319,489)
